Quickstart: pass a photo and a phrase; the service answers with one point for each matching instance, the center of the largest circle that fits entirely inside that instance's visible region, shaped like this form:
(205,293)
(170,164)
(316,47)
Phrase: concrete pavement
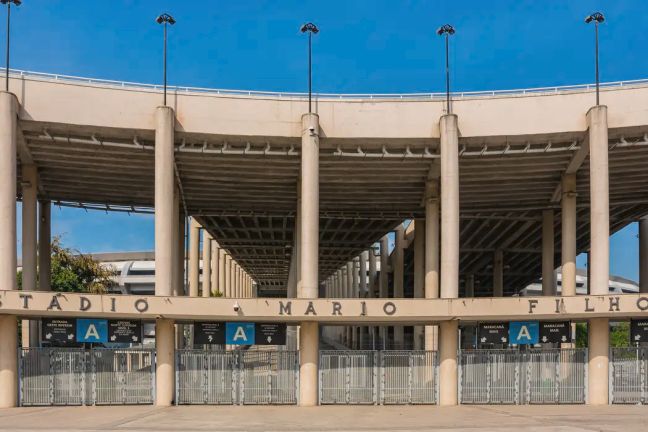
(327,418)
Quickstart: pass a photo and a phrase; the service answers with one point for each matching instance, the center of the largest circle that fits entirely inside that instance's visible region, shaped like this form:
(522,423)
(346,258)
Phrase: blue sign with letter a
(92,330)
(524,332)
(239,333)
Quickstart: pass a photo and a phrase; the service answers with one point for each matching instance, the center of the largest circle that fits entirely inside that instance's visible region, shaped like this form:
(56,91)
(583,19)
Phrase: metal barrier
(523,377)
(378,377)
(628,380)
(237,377)
(68,376)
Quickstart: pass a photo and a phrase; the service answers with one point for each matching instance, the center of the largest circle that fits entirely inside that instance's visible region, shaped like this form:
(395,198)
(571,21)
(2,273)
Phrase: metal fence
(378,377)
(523,377)
(65,376)
(628,369)
(237,377)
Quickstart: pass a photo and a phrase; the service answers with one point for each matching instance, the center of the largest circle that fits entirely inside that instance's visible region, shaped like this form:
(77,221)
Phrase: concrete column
(498,273)
(599,201)
(215,254)
(29,246)
(568,235)
(194,258)
(432,256)
(373,272)
(364,257)
(164,362)
(384,281)
(309,210)
(221,272)
(45,246)
(8,361)
(449,206)
(8,324)
(598,337)
(448,345)
(548,282)
(347,294)
(470,285)
(308,367)
(164,191)
(179,288)
(228,277)
(399,276)
(206,264)
(419,276)
(643,255)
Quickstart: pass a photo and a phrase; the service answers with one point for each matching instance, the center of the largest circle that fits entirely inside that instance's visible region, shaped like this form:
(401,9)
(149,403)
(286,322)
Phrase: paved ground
(328,418)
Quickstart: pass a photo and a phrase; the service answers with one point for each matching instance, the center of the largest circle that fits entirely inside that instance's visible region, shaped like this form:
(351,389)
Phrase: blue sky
(376,46)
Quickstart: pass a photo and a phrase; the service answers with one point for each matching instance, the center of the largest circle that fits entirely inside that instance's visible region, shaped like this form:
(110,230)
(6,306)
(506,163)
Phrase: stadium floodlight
(311,29)
(597,18)
(448,31)
(8,3)
(165,19)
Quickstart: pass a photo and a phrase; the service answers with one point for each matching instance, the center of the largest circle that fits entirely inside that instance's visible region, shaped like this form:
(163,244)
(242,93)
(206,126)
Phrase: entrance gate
(237,377)
(628,380)
(378,377)
(68,376)
(523,377)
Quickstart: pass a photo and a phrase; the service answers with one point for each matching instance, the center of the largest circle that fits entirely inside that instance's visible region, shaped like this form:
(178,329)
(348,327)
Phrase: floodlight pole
(447,30)
(311,29)
(597,18)
(8,3)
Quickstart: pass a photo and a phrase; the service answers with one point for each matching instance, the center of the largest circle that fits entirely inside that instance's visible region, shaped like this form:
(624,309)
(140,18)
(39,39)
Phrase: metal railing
(68,376)
(523,377)
(237,377)
(378,377)
(41,76)
(628,375)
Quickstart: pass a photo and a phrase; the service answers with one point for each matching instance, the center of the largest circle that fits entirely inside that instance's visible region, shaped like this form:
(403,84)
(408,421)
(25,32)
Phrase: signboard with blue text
(239,333)
(524,332)
(92,330)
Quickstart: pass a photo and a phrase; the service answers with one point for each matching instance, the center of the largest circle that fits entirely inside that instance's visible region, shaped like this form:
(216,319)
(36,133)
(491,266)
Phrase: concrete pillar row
(449,278)
(164,250)
(548,282)
(206,264)
(643,255)
(8,324)
(309,256)
(568,235)
(45,246)
(194,258)
(29,246)
(419,276)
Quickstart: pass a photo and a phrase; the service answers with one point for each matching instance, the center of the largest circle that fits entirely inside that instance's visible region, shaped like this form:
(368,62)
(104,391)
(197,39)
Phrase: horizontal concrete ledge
(333,311)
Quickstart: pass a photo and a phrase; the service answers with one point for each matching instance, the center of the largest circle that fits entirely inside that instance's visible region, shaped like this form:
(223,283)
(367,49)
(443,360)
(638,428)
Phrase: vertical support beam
(384,282)
(599,201)
(373,272)
(498,273)
(228,276)
(347,294)
(29,246)
(215,254)
(179,288)
(45,246)
(164,362)
(364,257)
(431,256)
(598,336)
(568,235)
(194,258)
(164,191)
(221,272)
(164,251)
(308,367)
(448,345)
(548,282)
(643,255)
(8,324)
(449,206)
(399,275)
(419,276)
(206,264)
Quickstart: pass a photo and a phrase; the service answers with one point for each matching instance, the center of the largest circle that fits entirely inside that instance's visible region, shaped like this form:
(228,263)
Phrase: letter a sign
(239,333)
(92,330)
(524,332)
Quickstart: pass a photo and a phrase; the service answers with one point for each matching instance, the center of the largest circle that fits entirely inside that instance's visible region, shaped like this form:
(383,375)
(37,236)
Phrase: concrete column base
(309,361)
(8,361)
(448,345)
(598,337)
(165,362)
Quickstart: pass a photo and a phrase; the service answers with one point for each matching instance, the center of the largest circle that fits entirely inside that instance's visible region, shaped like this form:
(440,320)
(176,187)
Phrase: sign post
(638,331)
(523,332)
(209,333)
(493,333)
(240,333)
(58,331)
(270,334)
(555,332)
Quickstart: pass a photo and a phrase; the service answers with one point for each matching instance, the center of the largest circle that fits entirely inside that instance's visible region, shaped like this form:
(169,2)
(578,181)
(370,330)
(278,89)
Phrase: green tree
(73,271)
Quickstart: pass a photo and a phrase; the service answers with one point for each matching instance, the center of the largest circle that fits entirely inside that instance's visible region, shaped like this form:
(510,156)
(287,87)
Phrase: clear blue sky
(364,46)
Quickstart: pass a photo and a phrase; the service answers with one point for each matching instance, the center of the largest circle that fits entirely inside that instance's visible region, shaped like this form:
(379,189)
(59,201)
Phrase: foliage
(73,271)
(216,294)
(581,335)
(619,334)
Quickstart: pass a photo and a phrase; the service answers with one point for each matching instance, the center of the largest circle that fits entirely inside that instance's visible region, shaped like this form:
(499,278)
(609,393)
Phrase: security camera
(237,307)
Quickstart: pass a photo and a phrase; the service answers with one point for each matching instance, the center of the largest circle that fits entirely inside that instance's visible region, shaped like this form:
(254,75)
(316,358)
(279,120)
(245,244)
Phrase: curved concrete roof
(237,160)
